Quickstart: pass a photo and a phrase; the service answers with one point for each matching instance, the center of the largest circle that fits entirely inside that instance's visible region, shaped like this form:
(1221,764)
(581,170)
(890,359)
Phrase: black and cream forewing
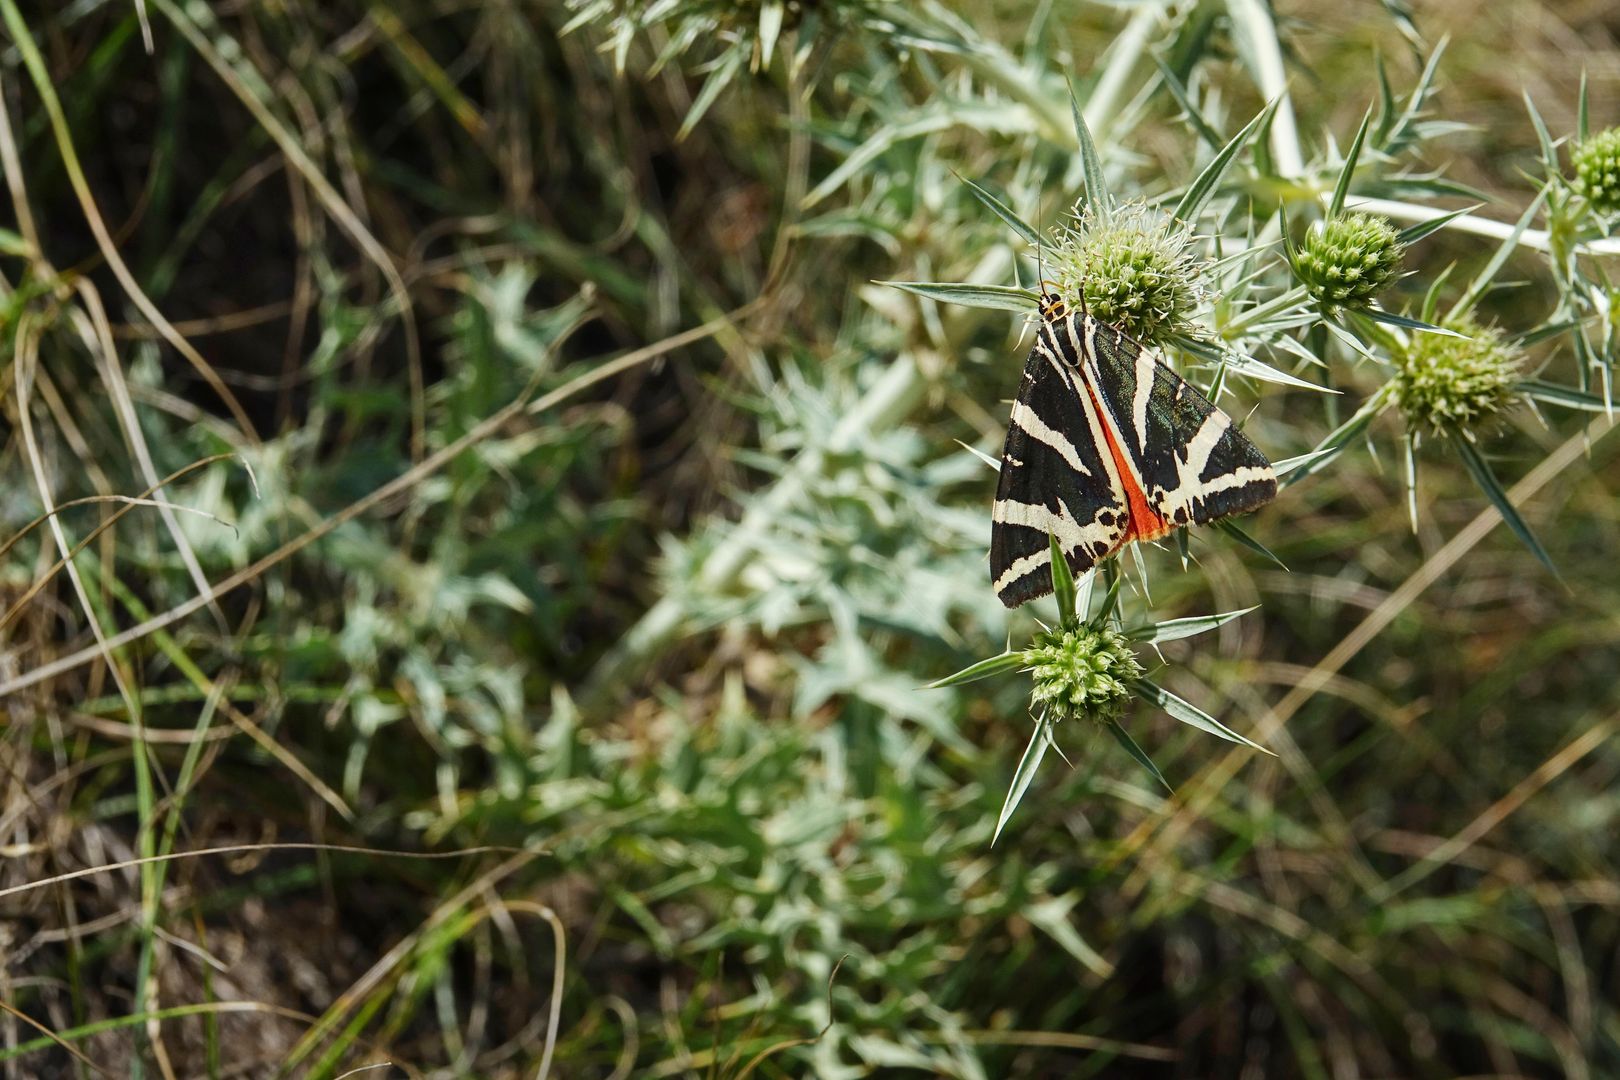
(1056,475)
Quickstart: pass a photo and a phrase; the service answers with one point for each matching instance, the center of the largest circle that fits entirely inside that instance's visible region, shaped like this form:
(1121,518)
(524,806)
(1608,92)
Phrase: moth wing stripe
(1146,371)
(1071,534)
(1020,567)
(1201,445)
(1241,477)
(1030,422)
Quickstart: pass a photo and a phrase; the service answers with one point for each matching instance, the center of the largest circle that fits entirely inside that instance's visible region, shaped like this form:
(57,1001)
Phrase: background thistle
(1444,382)
(1597,170)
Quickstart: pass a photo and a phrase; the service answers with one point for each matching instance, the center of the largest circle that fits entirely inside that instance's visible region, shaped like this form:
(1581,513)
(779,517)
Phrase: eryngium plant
(1084,669)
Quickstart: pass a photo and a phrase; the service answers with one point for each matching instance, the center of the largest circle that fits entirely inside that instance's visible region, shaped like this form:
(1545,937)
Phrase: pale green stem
(1537,239)
(1252,22)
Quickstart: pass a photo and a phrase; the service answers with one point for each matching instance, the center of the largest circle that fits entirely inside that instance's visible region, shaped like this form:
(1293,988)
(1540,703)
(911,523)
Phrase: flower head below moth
(1081,672)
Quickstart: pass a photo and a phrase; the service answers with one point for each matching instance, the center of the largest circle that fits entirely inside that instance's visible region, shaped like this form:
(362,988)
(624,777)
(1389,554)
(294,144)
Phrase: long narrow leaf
(1190,714)
(1243,364)
(718,79)
(1024,775)
(995,297)
(1230,529)
(1177,629)
(1487,275)
(1136,752)
(1096,194)
(1203,186)
(1406,322)
(1566,396)
(1549,154)
(1288,465)
(1481,471)
(1342,188)
(1413,233)
(1179,92)
(991,665)
(1062,582)
(1003,211)
(1336,440)
(1581,128)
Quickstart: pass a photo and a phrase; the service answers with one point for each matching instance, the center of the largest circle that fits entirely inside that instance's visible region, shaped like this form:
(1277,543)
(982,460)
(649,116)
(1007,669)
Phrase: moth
(1107,446)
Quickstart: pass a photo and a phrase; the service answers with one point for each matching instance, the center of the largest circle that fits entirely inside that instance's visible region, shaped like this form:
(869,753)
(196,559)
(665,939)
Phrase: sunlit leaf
(985,668)
(1189,713)
(995,297)
(1493,490)
(1176,629)
(1024,774)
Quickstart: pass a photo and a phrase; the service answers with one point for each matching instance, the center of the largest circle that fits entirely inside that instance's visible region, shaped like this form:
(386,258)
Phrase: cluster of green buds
(1084,668)
(1135,268)
(1082,672)
(1347,260)
(1597,170)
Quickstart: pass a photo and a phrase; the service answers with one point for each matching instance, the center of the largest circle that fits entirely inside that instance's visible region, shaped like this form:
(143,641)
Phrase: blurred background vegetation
(482,442)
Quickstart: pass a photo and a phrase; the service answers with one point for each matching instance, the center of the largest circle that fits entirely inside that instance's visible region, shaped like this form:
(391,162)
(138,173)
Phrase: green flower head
(1082,672)
(1447,382)
(1597,170)
(1349,259)
(1134,269)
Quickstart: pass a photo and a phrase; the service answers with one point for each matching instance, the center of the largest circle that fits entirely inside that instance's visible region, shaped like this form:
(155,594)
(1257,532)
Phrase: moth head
(1053,307)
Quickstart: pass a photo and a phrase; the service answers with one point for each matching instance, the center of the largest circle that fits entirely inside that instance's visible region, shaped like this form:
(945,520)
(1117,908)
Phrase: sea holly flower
(1082,672)
(1347,260)
(1134,268)
(1443,383)
(1085,669)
